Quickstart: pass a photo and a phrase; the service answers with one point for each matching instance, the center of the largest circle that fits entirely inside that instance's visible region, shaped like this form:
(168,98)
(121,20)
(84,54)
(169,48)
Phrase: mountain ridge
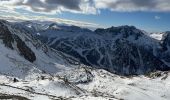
(90,46)
(56,74)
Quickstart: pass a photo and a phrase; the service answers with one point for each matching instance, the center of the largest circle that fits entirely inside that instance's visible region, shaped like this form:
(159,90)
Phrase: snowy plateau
(48,61)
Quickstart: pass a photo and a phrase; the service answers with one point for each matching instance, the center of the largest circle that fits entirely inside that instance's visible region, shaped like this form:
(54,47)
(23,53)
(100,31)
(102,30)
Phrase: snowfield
(103,86)
(157,36)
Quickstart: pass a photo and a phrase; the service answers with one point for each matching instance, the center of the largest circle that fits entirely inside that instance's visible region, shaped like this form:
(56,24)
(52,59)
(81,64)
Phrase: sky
(148,15)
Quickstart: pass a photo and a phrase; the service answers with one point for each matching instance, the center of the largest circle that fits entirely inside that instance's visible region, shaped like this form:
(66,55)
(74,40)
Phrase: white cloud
(157,17)
(25,17)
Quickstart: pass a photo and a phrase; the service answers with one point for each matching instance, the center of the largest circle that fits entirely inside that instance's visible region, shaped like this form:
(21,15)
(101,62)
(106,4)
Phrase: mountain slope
(30,67)
(122,50)
(20,48)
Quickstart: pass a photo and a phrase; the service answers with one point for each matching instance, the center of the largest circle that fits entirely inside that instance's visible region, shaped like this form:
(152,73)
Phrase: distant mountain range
(34,51)
(123,50)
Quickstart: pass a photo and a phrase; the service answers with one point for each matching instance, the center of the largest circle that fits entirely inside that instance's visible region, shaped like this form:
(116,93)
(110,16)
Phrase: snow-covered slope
(21,48)
(30,68)
(132,88)
(103,86)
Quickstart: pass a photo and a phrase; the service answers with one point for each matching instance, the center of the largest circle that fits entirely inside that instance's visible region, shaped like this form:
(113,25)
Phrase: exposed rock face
(9,38)
(6,36)
(122,50)
(135,59)
(166,40)
(165,52)
(24,49)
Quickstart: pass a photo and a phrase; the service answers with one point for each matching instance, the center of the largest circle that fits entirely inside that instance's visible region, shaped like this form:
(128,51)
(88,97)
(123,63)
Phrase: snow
(156,35)
(104,86)
(38,33)
(52,77)
(141,88)
(13,64)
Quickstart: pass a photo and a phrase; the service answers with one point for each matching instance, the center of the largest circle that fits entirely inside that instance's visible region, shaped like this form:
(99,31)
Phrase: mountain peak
(123,27)
(125,31)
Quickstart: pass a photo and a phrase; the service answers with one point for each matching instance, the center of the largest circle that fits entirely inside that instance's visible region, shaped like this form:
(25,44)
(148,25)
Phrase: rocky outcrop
(165,50)
(6,35)
(10,40)
(24,49)
(166,41)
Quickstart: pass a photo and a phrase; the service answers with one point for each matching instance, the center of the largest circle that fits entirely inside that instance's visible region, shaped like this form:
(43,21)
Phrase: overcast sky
(150,15)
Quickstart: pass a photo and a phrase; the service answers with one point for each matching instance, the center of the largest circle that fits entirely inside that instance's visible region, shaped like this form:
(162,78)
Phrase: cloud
(53,6)
(88,6)
(157,17)
(49,5)
(14,16)
(134,5)
(8,10)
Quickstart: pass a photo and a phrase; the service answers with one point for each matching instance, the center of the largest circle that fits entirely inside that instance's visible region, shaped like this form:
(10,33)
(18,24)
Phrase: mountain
(20,48)
(30,67)
(55,67)
(123,50)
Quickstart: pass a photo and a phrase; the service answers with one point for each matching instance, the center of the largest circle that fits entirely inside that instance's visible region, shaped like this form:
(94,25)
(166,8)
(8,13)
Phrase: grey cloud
(135,5)
(92,6)
(142,3)
(138,3)
(50,5)
(70,4)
